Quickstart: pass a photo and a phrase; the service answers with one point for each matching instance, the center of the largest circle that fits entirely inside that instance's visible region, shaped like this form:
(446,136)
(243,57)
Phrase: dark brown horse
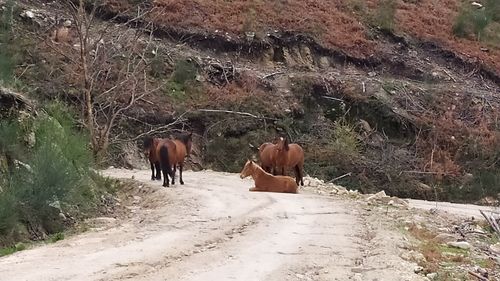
(290,156)
(150,144)
(166,154)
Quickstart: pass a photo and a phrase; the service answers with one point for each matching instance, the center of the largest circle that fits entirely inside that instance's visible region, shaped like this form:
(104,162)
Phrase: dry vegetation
(344,25)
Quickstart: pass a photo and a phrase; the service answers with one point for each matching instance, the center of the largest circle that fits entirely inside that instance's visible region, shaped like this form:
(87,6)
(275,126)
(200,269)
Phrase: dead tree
(108,65)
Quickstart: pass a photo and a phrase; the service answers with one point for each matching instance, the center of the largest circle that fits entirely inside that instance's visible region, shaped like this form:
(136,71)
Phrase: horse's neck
(257,172)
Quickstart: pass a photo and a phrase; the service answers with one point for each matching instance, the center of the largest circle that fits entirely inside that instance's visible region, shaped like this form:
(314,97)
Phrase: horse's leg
(298,177)
(173,176)
(165,177)
(181,165)
(158,170)
(152,170)
(301,170)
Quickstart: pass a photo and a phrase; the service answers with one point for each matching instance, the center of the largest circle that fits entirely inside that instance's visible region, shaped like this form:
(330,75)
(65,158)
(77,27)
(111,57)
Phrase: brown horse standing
(167,154)
(267,153)
(183,145)
(267,182)
(290,156)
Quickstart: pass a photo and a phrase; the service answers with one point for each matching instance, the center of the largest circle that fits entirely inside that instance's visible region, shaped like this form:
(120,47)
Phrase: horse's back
(266,152)
(296,152)
(170,145)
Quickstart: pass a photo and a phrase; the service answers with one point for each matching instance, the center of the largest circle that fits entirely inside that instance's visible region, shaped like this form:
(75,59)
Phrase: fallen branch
(272,74)
(478,276)
(492,221)
(449,74)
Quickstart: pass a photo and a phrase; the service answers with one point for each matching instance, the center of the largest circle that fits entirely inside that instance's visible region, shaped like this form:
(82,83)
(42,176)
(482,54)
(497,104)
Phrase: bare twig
(272,74)
(332,98)
(235,112)
(339,177)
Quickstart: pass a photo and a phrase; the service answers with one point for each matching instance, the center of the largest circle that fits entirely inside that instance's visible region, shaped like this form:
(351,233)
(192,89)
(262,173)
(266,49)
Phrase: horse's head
(247,169)
(187,140)
(147,145)
(189,143)
(282,144)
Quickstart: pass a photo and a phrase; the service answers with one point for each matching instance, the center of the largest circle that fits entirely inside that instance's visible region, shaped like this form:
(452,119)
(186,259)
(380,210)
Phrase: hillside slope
(399,110)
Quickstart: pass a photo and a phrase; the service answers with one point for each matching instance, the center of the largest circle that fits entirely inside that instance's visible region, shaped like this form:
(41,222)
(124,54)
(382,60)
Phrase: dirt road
(213,228)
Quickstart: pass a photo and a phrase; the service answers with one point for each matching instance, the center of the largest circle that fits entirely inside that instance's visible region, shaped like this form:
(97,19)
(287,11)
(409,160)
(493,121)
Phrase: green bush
(345,139)
(385,14)
(471,20)
(54,178)
(8,48)
(185,71)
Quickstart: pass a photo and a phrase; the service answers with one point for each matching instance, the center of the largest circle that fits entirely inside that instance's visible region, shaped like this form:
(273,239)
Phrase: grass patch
(56,237)
(10,250)
(437,255)
(384,17)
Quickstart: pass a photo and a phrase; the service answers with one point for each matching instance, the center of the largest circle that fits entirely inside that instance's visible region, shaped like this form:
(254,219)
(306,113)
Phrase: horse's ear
(286,143)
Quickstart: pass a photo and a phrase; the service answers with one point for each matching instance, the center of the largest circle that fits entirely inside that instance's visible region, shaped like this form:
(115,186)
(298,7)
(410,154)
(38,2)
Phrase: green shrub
(9,138)
(345,138)
(184,72)
(8,213)
(471,20)
(57,237)
(8,49)
(54,178)
(385,14)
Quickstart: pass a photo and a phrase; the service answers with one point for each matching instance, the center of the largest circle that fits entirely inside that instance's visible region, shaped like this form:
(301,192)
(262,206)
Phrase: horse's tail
(165,161)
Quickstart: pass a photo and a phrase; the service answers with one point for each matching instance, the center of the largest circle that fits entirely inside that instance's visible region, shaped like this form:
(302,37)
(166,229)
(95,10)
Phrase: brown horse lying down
(267,182)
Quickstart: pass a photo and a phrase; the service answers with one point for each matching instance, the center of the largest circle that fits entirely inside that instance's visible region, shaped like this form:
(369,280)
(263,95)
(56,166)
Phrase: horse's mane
(285,144)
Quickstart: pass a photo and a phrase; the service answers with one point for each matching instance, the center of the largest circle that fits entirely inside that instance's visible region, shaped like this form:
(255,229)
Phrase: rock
(432,276)
(460,245)
(377,196)
(413,256)
(495,248)
(372,74)
(444,238)
(418,269)
(324,62)
(28,14)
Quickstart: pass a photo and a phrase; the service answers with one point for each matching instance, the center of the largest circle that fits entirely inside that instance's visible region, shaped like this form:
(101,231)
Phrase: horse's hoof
(166,185)
(158,179)
(182,183)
